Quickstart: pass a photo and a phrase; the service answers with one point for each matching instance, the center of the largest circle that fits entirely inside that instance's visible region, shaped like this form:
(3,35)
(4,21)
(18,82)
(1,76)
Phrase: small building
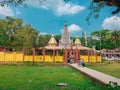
(111,54)
(2,48)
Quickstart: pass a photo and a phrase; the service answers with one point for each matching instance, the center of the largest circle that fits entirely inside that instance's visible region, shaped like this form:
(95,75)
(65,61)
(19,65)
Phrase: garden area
(108,67)
(49,76)
(43,77)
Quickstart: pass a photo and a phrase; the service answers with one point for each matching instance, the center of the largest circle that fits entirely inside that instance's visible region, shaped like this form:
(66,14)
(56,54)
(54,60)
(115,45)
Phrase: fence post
(65,56)
(23,55)
(43,55)
(101,55)
(14,56)
(53,55)
(76,55)
(4,54)
(96,55)
(88,55)
(33,50)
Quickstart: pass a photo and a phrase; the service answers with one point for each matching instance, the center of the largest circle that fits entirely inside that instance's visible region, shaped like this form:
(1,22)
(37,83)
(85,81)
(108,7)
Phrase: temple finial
(65,23)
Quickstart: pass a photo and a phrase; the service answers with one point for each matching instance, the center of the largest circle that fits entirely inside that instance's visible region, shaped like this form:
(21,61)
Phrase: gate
(70,53)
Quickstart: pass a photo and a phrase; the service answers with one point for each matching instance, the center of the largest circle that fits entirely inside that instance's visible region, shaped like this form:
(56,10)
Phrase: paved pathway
(104,78)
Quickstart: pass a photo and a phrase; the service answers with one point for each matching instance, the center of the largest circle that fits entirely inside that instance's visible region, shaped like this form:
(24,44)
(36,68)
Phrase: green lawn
(108,67)
(43,78)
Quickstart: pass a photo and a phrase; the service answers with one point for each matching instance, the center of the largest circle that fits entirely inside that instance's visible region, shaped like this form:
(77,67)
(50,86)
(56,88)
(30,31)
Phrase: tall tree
(17,36)
(25,38)
(3,34)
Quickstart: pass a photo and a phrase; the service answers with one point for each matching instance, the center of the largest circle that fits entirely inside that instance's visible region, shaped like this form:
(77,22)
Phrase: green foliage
(60,52)
(43,40)
(112,86)
(3,34)
(12,2)
(15,35)
(96,6)
(94,10)
(57,37)
(16,2)
(104,39)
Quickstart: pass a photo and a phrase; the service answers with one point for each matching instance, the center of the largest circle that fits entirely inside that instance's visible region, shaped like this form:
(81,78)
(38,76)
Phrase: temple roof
(54,47)
(77,41)
(52,41)
(68,47)
(82,48)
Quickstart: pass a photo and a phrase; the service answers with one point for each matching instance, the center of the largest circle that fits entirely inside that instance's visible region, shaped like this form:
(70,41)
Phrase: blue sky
(49,16)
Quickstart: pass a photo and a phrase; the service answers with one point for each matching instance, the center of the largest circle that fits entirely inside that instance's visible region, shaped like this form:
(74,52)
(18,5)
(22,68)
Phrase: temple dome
(52,41)
(77,41)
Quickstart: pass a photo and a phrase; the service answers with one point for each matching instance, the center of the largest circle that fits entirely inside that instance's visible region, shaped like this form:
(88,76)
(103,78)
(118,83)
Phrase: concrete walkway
(101,77)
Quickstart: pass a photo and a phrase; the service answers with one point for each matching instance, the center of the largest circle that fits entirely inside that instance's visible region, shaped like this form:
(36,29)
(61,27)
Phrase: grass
(46,77)
(109,67)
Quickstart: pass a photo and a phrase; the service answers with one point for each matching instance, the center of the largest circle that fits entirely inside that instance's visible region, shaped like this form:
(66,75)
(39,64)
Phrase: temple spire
(65,39)
(65,25)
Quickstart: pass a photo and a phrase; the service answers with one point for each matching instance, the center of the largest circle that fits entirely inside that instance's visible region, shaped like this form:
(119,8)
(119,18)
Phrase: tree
(97,5)
(25,38)
(116,38)
(43,40)
(115,3)
(12,2)
(3,34)
(102,39)
(15,2)
(15,35)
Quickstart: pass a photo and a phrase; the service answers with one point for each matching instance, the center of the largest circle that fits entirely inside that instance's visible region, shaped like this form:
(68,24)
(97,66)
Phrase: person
(71,58)
(82,62)
(79,62)
(68,59)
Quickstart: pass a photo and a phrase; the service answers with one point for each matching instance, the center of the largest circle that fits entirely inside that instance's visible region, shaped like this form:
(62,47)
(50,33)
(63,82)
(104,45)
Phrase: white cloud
(6,11)
(57,6)
(64,9)
(112,23)
(43,33)
(74,28)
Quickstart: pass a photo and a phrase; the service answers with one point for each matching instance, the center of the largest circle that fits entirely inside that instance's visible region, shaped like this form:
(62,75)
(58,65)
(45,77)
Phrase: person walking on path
(82,63)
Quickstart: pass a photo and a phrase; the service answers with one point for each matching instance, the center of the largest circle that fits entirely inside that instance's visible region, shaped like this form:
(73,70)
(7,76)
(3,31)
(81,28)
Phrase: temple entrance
(73,55)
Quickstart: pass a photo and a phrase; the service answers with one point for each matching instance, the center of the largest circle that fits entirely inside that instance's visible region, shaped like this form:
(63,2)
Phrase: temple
(67,48)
